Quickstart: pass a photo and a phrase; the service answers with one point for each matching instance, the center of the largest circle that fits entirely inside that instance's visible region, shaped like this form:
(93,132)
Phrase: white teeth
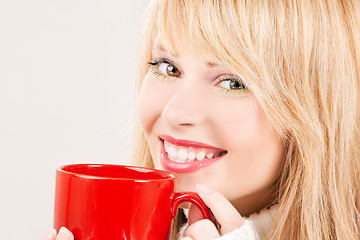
(200,156)
(172,152)
(191,156)
(182,154)
(210,155)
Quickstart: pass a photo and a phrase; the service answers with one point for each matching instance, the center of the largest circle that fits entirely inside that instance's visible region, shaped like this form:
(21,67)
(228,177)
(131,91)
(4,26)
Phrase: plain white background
(67,84)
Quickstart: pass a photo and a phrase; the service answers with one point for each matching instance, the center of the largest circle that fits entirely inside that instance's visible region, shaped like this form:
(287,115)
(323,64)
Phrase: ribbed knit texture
(256,226)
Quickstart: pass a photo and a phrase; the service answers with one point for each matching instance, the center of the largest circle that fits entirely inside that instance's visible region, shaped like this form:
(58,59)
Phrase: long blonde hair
(301,59)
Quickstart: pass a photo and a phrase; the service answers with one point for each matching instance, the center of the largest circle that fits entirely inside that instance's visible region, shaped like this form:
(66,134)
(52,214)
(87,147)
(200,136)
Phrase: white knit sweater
(256,226)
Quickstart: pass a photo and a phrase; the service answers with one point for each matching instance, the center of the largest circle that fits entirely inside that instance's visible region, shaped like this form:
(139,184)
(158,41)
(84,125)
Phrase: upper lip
(187,143)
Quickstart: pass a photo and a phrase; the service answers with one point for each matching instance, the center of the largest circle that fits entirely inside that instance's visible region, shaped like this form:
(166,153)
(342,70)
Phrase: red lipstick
(187,143)
(186,166)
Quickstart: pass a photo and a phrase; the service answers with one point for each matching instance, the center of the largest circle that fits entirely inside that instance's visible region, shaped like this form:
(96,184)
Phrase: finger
(64,234)
(194,214)
(187,238)
(225,213)
(50,235)
(202,230)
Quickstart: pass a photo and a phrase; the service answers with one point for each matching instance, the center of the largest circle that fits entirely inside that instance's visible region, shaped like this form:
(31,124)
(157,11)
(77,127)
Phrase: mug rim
(165,175)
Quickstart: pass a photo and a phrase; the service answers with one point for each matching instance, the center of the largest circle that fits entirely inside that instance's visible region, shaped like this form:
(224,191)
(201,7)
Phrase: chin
(183,188)
(186,183)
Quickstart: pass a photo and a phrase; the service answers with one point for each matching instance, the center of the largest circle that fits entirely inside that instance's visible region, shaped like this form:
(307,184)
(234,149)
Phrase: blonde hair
(301,60)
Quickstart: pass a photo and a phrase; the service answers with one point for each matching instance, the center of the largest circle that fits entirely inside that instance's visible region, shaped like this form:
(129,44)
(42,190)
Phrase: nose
(186,107)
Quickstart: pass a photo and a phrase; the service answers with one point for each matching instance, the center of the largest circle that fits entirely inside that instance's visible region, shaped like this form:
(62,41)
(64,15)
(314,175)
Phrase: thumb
(194,214)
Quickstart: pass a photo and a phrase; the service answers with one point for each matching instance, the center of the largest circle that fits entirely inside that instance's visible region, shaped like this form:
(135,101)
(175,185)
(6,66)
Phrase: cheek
(150,103)
(242,125)
(255,148)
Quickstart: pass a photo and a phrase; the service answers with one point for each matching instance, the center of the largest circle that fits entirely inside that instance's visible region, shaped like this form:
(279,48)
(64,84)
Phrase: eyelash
(243,89)
(157,73)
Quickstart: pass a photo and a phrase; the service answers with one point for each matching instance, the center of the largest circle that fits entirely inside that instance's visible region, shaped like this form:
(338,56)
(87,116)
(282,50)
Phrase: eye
(165,68)
(232,86)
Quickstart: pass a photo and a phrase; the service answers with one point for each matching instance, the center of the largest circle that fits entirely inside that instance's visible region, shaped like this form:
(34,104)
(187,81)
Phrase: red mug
(108,202)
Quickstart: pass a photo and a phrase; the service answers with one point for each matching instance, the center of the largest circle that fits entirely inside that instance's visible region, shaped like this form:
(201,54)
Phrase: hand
(225,213)
(63,234)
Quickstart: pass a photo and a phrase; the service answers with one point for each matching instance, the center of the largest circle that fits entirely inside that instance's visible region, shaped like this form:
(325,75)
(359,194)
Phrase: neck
(255,202)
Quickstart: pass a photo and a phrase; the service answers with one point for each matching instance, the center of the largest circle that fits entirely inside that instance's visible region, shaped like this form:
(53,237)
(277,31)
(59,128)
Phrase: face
(205,126)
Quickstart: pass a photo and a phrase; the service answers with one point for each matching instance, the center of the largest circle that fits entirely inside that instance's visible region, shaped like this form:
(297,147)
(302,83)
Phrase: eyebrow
(212,64)
(160,47)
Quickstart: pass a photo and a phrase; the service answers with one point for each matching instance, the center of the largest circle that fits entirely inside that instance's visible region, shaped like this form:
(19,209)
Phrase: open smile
(183,156)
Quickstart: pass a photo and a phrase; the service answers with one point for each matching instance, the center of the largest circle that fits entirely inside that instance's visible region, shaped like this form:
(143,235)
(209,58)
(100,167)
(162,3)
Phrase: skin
(196,103)
(188,97)
(63,234)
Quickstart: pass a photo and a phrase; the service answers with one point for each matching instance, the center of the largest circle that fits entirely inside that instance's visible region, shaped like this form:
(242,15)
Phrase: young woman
(255,105)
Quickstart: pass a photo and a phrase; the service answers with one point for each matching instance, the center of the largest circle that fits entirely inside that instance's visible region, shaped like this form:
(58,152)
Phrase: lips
(183,156)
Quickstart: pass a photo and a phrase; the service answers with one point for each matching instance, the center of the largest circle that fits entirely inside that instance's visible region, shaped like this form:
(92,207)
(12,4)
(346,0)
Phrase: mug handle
(193,198)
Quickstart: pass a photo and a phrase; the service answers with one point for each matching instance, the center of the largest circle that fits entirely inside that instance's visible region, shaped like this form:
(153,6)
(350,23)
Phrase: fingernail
(204,189)
(63,231)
